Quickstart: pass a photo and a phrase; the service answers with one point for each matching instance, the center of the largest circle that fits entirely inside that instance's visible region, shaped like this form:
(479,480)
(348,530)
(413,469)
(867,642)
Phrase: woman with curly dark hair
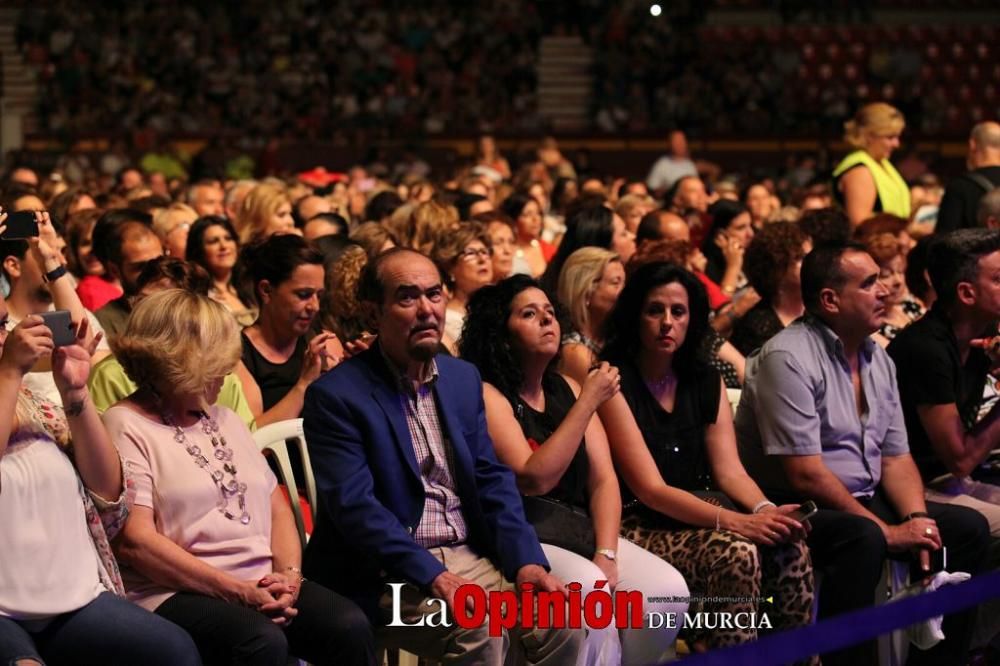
(673,443)
(544,428)
(772,265)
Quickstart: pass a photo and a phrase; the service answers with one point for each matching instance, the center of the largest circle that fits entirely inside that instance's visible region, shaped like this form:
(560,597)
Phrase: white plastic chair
(273,438)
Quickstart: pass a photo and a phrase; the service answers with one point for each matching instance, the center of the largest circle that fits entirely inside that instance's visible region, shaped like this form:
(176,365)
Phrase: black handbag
(562,525)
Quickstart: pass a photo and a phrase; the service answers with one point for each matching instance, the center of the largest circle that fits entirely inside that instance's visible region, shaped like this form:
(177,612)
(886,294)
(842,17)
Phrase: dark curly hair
(485,340)
(773,249)
(623,343)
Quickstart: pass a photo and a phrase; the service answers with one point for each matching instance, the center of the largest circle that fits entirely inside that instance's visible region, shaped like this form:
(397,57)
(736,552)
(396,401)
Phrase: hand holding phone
(61,325)
(21,225)
(805,511)
(937,560)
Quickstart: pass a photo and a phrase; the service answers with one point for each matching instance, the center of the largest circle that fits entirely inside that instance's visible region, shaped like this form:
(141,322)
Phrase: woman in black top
(544,427)
(671,436)
(278,363)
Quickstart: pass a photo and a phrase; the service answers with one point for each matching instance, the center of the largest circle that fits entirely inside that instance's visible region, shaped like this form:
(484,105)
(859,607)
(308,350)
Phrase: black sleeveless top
(274,379)
(539,426)
(676,439)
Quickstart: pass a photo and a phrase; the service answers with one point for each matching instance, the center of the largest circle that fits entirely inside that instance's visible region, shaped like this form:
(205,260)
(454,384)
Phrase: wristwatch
(608,553)
(55,274)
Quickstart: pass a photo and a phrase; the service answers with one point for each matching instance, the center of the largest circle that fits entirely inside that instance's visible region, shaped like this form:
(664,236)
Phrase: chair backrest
(273,441)
(291,429)
(733,395)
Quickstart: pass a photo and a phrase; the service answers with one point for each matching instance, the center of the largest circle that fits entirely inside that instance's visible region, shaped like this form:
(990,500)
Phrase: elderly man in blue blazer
(410,489)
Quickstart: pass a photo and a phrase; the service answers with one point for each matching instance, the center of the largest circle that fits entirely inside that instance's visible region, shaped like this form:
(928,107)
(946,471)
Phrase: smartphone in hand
(20,225)
(61,325)
(805,511)
(939,562)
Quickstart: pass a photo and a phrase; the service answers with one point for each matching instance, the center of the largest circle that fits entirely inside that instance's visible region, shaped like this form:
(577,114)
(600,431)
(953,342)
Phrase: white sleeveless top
(49,564)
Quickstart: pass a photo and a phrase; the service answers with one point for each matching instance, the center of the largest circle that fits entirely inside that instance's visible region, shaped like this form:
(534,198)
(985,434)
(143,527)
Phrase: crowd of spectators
(801,80)
(303,68)
(231,304)
(312,69)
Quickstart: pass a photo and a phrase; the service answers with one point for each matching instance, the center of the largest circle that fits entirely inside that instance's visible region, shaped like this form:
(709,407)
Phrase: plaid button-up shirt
(442,521)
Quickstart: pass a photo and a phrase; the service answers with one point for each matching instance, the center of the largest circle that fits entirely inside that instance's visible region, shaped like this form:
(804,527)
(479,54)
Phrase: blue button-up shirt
(798,399)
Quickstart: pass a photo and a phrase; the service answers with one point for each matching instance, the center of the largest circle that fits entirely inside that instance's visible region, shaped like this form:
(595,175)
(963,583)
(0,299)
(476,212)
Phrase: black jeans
(329,629)
(849,552)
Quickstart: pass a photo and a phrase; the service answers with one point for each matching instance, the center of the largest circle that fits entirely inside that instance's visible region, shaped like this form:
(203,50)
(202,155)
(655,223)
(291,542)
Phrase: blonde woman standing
(866,182)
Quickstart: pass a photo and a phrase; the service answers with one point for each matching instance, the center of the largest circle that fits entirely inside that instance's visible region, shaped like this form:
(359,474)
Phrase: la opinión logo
(598,609)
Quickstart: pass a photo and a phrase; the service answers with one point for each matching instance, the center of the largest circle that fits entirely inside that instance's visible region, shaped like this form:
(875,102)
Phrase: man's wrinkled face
(411,317)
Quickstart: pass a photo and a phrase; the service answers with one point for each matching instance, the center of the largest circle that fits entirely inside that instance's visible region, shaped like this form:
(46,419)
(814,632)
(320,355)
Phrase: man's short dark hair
(110,230)
(822,269)
(954,257)
(371,286)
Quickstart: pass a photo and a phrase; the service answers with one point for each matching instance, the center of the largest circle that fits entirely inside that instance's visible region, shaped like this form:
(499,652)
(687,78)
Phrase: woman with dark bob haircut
(673,443)
(544,427)
(214,245)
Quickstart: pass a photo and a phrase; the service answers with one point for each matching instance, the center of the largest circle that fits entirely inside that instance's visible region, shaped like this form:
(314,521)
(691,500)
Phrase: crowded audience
(511,371)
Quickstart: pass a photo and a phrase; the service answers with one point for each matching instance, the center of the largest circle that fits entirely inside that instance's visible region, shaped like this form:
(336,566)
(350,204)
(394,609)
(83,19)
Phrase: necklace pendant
(245,518)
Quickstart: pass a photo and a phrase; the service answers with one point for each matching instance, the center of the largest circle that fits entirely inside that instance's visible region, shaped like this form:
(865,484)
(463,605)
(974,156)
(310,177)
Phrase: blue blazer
(369,490)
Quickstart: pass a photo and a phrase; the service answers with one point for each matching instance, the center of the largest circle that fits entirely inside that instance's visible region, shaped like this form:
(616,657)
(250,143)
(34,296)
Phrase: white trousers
(639,570)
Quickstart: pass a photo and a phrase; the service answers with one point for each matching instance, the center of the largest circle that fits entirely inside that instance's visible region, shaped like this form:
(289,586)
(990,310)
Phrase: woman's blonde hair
(167,219)
(874,118)
(256,210)
(176,342)
(577,279)
(429,223)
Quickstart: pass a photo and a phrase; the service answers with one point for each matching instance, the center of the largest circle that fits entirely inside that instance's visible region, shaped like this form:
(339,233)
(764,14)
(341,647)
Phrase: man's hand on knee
(540,578)
(446,585)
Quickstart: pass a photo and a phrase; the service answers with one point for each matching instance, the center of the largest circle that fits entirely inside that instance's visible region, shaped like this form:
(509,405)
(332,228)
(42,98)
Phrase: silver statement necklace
(234,488)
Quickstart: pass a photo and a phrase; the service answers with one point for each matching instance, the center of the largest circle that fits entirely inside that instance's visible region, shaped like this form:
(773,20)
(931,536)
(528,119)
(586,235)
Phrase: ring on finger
(929,532)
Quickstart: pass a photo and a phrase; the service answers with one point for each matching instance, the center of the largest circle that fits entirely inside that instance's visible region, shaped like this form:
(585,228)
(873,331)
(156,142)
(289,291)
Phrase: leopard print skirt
(727,564)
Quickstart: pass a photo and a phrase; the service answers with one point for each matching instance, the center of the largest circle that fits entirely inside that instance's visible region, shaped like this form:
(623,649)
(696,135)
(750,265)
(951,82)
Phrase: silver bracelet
(763,503)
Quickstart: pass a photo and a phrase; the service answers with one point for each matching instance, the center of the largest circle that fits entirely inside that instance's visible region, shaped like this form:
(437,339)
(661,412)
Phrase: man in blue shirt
(820,419)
